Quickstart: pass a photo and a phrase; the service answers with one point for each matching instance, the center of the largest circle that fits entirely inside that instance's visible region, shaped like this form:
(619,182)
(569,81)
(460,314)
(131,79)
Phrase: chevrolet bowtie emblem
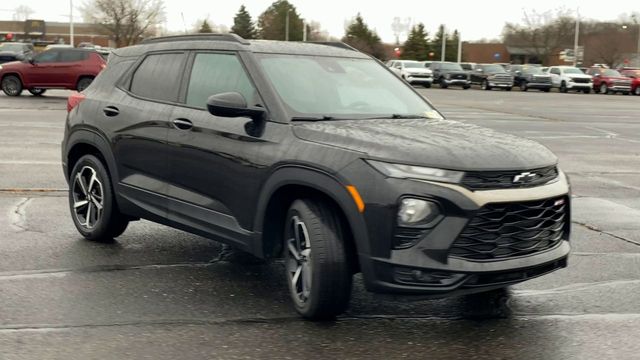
(525,177)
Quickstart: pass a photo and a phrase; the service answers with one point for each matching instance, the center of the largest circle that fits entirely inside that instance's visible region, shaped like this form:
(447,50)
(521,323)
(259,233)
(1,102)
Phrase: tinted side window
(555,71)
(47,56)
(72,56)
(218,73)
(158,77)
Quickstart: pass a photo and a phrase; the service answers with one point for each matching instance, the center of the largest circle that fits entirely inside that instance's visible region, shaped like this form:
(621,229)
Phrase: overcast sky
(475,19)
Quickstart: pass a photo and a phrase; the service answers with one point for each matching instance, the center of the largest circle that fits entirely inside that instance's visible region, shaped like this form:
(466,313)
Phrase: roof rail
(203,37)
(337,44)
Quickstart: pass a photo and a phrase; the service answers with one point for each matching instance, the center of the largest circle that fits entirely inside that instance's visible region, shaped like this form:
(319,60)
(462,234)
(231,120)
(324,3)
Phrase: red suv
(634,74)
(608,81)
(71,68)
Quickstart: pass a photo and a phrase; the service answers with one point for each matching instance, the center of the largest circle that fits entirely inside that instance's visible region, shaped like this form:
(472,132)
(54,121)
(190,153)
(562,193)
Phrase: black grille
(459,76)
(581,80)
(504,230)
(487,180)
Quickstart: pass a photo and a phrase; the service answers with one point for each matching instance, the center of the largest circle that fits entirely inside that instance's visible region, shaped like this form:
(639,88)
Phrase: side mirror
(31,60)
(233,104)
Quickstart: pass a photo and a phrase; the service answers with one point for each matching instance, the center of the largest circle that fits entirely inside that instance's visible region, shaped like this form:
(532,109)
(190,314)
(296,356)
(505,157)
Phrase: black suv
(530,77)
(316,153)
(490,76)
(449,74)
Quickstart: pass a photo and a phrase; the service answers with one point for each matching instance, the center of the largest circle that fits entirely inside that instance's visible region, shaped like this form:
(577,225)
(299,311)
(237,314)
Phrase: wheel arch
(292,182)
(83,142)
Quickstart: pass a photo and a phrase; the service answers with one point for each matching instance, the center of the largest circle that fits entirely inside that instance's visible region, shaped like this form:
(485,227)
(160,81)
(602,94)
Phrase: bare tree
(127,21)
(22,13)
(544,33)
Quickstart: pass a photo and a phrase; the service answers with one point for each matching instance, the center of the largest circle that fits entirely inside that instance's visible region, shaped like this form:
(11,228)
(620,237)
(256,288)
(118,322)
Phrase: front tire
(443,84)
(604,89)
(485,85)
(92,202)
(11,85)
(523,86)
(316,261)
(637,90)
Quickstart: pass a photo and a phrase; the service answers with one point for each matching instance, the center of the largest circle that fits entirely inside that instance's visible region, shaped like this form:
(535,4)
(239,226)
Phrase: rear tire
(316,260)
(37,91)
(11,85)
(637,90)
(92,202)
(83,83)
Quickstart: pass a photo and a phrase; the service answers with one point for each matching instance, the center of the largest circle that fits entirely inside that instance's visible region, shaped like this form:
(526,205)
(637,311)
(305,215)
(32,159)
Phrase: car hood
(11,65)
(430,142)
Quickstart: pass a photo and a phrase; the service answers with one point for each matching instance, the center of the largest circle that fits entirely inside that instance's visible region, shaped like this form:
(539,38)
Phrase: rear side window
(158,77)
(218,73)
(72,56)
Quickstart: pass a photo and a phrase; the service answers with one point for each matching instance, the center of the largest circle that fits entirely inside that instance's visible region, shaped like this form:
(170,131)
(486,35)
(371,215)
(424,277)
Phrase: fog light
(415,211)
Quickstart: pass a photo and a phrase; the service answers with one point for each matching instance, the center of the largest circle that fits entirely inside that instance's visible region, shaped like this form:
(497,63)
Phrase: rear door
(139,116)
(69,65)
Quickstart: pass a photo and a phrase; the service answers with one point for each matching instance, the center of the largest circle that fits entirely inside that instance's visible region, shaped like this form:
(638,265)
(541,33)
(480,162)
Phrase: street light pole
(459,47)
(444,43)
(304,30)
(575,40)
(71,23)
(286,27)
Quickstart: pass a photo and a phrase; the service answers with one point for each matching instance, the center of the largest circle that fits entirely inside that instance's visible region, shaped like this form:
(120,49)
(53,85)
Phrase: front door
(42,70)
(214,176)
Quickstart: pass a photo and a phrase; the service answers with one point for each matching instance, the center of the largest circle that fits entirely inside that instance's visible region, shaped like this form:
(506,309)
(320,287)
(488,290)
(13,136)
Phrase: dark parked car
(449,74)
(66,68)
(609,81)
(530,77)
(490,76)
(14,51)
(315,153)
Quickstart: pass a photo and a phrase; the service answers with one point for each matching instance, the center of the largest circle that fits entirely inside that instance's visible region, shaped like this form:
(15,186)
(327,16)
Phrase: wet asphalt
(159,293)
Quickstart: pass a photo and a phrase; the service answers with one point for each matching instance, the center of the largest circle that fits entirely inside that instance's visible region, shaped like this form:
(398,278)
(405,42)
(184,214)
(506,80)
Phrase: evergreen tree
(243,25)
(273,22)
(205,28)
(362,38)
(417,45)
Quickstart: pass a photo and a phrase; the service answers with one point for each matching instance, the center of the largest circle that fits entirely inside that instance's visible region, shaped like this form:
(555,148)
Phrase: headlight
(0,67)
(414,212)
(401,171)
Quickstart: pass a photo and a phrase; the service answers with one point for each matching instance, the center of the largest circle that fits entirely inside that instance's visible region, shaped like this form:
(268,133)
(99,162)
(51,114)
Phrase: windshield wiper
(313,118)
(397,116)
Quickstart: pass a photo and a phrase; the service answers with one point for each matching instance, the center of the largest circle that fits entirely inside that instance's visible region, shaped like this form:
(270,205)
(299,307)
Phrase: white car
(567,78)
(414,72)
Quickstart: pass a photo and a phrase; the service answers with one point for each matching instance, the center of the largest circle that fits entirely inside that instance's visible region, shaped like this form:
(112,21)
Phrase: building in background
(42,33)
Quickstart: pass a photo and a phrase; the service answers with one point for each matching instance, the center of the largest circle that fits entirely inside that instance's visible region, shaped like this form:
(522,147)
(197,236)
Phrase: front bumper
(421,80)
(460,82)
(410,271)
(620,88)
(500,84)
(534,85)
(573,85)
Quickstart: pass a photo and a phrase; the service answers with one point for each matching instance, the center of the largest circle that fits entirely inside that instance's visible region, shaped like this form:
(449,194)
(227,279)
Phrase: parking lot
(159,293)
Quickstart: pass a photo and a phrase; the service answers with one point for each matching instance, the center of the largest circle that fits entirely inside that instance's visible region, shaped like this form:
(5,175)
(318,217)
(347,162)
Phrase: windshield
(572,71)
(451,66)
(413,65)
(609,72)
(340,87)
(493,69)
(533,70)
(10,47)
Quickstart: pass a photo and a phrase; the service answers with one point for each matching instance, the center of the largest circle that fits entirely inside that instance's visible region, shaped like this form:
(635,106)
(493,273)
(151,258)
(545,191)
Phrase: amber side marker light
(356,197)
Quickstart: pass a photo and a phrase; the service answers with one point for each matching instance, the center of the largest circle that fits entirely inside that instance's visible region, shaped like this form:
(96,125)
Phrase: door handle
(183,124)
(111,111)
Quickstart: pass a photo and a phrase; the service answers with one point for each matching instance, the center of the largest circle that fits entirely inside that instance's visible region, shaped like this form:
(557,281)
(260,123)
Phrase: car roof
(236,43)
